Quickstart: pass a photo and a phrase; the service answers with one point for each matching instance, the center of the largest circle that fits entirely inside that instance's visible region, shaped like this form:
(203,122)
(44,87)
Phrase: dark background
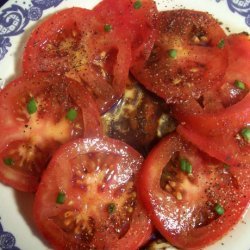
(2,2)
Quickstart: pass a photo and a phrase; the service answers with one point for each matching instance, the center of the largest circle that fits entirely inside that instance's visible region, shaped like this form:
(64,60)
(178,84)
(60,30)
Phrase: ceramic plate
(17,19)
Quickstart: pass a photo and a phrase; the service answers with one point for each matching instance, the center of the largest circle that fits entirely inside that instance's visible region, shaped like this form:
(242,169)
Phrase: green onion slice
(219,209)
(8,161)
(107,27)
(221,44)
(111,208)
(245,133)
(172,53)
(137,4)
(240,85)
(60,199)
(186,166)
(32,106)
(71,114)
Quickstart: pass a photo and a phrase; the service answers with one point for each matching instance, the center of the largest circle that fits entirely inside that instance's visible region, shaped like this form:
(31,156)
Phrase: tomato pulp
(39,113)
(87,197)
(192,199)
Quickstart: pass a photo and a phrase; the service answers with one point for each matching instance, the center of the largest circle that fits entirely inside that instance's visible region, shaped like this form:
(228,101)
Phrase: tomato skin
(30,140)
(175,218)
(196,67)
(60,176)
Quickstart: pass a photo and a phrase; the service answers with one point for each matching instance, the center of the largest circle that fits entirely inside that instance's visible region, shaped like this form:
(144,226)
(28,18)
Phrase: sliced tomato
(137,19)
(235,84)
(38,114)
(188,58)
(87,199)
(237,80)
(64,44)
(223,135)
(192,199)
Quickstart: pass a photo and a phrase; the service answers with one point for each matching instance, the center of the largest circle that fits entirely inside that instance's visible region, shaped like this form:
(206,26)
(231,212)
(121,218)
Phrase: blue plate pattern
(7,240)
(14,19)
(242,7)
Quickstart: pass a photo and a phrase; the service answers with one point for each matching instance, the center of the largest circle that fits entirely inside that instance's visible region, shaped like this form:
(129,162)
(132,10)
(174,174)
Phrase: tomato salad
(127,121)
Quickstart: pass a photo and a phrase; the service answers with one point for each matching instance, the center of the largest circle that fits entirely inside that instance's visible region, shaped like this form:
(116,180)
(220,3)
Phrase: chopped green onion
(172,53)
(245,133)
(226,166)
(137,4)
(221,44)
(60,199)
(8,161)
(31,106)
(239,84)
(111,208)
(107,27)
(71,114)
(186,166)
(219,209)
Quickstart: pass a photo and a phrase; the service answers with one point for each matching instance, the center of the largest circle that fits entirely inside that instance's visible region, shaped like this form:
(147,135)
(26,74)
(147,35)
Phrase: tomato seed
(67,222)
(172,184)
(204,39)
(68,214)
(168,188)
(178,196)
(196,39)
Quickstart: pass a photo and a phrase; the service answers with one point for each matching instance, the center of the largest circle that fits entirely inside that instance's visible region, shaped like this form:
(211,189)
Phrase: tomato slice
(235,84)
(64,44)
(38,114)
(188,58)
(136,20)
(192,199)
(94,180)
(224,135)
(237,80)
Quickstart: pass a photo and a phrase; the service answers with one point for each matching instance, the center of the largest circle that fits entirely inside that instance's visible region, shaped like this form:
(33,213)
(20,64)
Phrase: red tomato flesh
(186,60)
(64,44)
(182,204)
(220,134)
(100,209)
(136,21)
(237,71)
(236,82)
(28,140)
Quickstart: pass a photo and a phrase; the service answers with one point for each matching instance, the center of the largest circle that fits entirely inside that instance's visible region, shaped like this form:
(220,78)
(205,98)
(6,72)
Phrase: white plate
(17,19)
